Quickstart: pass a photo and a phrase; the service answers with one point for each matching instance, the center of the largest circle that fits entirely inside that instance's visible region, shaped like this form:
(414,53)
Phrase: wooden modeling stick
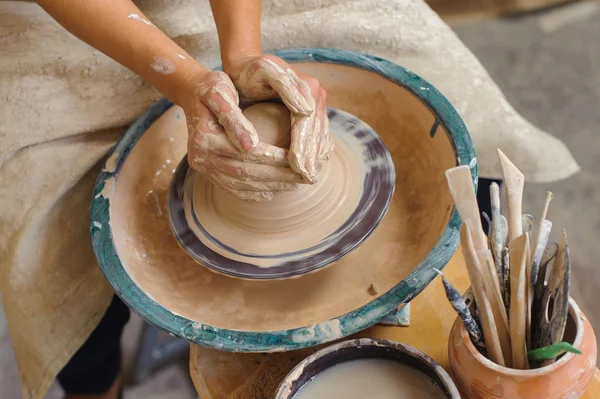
(465,200)
(518,301)
(463,192)
(486,316)
(492,289)
(514,181)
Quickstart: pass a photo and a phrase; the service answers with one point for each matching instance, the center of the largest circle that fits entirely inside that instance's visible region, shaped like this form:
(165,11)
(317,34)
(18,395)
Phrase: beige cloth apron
(63,105)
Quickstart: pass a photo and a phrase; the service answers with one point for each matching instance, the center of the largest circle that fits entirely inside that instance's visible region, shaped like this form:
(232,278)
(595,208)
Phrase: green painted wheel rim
(341,326)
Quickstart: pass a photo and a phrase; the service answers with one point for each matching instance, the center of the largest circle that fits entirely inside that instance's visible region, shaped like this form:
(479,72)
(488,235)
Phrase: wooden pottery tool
(461,187)
(555,300)
(463,192)
(518,305)
(131,233)
(514,181)
(491,333)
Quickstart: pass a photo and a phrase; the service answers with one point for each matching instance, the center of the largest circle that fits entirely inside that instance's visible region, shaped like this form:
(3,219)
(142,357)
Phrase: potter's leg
(483,199)
(96,366)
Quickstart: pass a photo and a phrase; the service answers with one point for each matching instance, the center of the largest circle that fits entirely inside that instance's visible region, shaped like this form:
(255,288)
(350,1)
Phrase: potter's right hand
(223,145)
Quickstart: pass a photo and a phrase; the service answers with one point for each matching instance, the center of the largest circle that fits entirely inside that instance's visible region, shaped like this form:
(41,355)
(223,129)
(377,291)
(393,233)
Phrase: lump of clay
(272,122)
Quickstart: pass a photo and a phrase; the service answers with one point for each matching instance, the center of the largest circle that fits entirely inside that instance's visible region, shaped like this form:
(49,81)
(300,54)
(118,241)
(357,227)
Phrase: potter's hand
(267,77)
(223,144)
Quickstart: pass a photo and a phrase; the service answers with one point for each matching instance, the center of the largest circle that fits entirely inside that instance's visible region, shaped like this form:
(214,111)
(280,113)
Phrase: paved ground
(553,79)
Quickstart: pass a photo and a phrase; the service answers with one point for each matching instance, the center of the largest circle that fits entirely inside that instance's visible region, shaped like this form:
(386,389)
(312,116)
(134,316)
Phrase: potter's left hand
(267,77)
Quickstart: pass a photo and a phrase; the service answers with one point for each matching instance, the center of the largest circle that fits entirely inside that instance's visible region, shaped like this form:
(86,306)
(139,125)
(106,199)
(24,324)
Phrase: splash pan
(142,260)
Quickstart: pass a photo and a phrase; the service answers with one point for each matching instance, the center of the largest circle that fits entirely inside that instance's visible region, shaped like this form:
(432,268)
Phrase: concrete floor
(553,79)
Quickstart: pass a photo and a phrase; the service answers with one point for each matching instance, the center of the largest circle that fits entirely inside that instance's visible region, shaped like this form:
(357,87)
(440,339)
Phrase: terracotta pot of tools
(567,378)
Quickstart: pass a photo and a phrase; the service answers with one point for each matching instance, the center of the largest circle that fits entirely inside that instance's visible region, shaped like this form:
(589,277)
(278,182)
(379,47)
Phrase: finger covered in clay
(277,126)
(219,95)
(268,78)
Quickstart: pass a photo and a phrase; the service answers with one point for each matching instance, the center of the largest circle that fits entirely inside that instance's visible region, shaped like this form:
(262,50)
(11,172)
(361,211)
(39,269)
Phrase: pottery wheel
(298,231)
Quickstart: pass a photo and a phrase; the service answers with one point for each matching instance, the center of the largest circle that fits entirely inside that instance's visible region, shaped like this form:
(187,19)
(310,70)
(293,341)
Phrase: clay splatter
(111,163)
(163,65)
(473,163)
(329,331)
(108,189)
(138,18)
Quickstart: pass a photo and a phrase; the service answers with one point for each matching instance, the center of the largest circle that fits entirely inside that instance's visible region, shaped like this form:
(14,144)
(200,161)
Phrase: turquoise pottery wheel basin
(143,262)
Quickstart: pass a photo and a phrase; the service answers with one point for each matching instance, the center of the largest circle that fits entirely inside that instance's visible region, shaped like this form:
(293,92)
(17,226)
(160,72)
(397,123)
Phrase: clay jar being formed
(567,378)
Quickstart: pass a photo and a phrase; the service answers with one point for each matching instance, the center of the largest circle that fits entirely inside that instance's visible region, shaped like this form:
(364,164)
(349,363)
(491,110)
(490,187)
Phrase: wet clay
(292,220)
(419,210)
(370,378)
(272,122)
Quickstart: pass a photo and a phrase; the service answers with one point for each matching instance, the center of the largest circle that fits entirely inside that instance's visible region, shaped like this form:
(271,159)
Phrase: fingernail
(297,164)
(246,142)
(311,176)
(311,169)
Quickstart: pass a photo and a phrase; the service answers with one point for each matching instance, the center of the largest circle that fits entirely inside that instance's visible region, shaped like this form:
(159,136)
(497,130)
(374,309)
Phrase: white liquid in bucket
(370,378)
